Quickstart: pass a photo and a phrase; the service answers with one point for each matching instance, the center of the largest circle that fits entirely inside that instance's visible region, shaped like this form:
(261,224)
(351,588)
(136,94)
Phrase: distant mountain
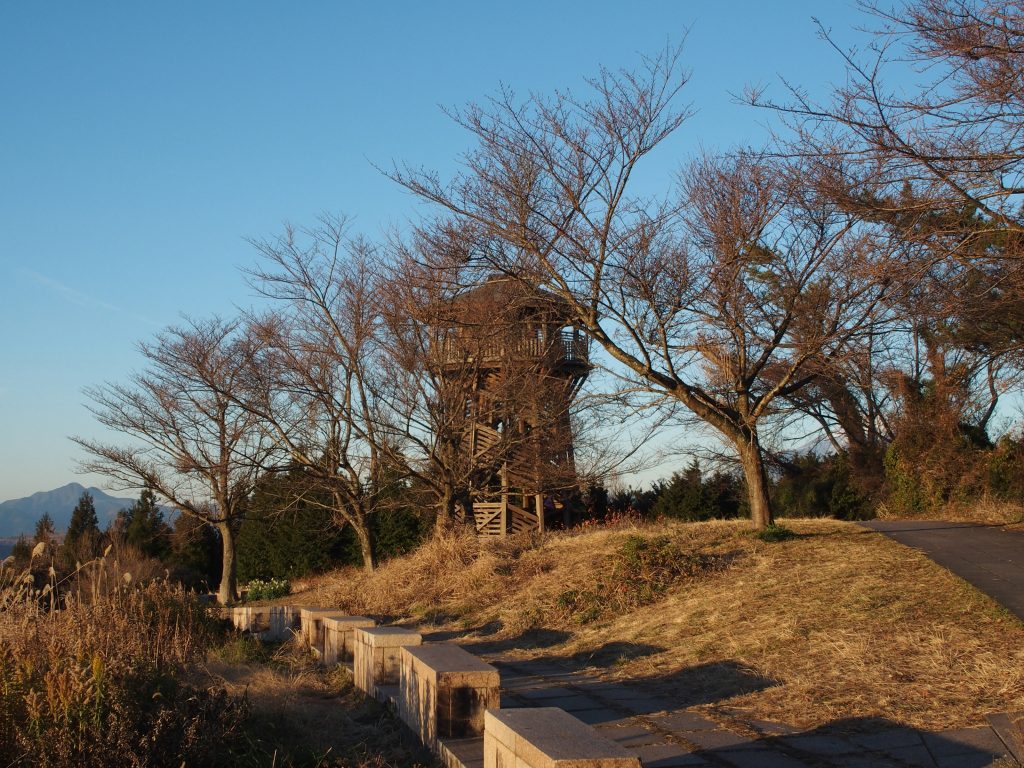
(20,515)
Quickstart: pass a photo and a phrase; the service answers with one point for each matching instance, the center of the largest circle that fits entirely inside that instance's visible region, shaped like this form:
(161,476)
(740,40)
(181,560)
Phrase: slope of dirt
(837,622)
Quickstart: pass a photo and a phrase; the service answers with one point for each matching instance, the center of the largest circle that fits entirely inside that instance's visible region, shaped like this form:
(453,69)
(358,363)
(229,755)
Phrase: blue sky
(141,143)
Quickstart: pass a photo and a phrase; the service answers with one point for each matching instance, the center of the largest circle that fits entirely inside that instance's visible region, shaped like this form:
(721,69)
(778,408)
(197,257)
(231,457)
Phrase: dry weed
(302,714)
(92,677)
(987,510)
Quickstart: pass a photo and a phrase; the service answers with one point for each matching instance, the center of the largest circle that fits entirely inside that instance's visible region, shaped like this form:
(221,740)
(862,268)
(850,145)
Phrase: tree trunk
(756,479)
(227,593)
(445,514)
(366,547)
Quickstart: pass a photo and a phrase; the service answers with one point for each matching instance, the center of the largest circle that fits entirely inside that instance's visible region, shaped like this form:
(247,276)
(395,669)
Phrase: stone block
(462,753)
(283,622)
(444,692)
(312,627)
(338,640)
(547,737)
(376,652)
(240,617)
(271,623)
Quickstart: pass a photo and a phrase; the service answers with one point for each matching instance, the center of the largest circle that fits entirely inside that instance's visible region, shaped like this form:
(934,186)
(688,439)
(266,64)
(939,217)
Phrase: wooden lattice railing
(499,518)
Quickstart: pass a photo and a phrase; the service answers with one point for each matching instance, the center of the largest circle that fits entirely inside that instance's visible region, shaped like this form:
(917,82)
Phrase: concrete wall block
(338,637)
(282,621)
(272,623)
(497,755)
(260,619)
(548,737)
(445,691)
(241,617)
(312,627)
(376,655)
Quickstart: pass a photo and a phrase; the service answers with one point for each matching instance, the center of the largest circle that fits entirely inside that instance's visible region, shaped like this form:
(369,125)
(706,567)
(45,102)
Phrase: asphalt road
(988,556)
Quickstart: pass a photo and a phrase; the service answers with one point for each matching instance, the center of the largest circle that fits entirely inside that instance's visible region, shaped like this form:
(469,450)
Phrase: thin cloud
(82,299)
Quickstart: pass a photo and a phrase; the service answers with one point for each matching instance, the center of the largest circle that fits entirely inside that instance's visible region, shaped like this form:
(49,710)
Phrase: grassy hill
(837,622)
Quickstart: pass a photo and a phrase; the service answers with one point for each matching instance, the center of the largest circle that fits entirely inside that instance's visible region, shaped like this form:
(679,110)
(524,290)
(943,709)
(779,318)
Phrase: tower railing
(567,346)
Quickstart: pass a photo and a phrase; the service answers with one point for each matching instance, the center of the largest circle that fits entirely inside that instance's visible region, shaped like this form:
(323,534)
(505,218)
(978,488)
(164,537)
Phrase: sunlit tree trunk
(752,461)
(227,593)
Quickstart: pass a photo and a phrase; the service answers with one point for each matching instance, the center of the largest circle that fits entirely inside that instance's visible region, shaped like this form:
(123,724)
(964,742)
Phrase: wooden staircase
(501,518)
(485,440)
(497,513)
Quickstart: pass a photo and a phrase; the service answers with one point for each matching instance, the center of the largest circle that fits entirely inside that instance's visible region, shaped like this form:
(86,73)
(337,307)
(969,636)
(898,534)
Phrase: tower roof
(506,295)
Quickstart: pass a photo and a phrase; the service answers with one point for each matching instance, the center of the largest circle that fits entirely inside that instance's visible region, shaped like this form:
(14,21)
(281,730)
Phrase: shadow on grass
(608,656)
(704,684)
(529,640)
(446,635)
(693,686)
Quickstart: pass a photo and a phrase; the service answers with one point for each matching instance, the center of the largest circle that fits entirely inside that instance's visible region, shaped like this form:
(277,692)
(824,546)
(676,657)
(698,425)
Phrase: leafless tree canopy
(718,297)
(864,275)
(316,378)
(191,441)
(936,160)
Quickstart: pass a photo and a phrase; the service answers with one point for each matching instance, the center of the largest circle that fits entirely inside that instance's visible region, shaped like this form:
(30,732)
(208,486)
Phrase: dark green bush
(809,485)
(692,495)
(775,533)
(641,572)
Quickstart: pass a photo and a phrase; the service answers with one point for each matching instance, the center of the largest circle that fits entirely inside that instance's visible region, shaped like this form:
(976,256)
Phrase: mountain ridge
(19,516)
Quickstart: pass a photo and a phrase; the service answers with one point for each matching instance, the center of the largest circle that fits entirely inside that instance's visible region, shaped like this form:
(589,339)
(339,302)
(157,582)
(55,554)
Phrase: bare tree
(939,165)
(427,419)
(953,139)
(716,299)
(191,442)
(316,373)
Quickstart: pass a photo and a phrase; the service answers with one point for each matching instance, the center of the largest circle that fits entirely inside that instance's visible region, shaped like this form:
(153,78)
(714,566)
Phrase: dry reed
(90,672)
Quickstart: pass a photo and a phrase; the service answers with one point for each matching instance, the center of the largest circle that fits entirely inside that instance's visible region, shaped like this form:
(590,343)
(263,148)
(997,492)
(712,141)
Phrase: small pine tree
(22,550)
(195,556)
(45,531)
(288,531)
(692,495)
(83,536)
(142,525)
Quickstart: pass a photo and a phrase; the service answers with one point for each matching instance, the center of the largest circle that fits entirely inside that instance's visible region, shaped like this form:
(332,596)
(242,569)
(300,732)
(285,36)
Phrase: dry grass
(988,510)
(838,623)
(847,624)
(304,715)
(90,673)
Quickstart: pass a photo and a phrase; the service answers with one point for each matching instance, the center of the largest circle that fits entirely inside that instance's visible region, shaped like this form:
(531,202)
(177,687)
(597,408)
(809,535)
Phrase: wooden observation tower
(515,360)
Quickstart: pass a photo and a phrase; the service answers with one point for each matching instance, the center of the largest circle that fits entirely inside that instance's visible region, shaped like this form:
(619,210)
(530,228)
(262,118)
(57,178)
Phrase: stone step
(548,737)
(445,691)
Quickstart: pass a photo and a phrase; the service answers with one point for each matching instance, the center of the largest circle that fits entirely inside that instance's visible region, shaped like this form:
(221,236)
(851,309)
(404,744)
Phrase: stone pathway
(990,557)
(666,736)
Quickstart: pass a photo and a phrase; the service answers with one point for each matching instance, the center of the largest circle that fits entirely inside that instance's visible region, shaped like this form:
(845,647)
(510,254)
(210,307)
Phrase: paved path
(988,556)
(666,736)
